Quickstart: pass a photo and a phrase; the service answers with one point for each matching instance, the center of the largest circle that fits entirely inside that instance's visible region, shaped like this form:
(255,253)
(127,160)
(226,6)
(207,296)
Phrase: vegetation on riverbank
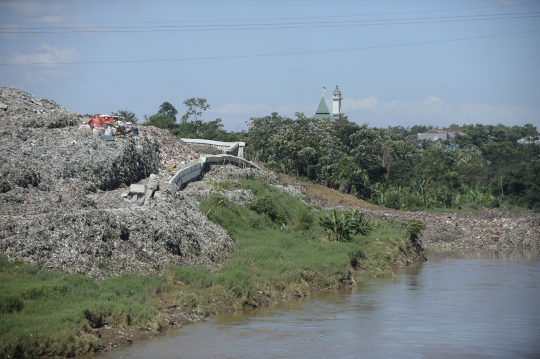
(280,251)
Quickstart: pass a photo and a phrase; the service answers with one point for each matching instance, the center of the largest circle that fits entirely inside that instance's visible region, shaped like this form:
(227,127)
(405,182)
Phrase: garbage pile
(61,188)
(174,154)
(108,127)
(19,109)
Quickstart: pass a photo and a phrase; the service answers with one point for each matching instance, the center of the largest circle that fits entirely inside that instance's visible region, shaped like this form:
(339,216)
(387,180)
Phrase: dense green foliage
(270,259)
(415,228)
(391,168)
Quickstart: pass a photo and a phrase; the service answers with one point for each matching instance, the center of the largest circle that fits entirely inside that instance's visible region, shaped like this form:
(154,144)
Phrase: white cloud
(435,111)
(350,104)
(46,54)
(238,108)
(45,63)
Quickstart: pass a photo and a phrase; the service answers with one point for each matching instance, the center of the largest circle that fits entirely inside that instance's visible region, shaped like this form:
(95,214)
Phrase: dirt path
(322,193)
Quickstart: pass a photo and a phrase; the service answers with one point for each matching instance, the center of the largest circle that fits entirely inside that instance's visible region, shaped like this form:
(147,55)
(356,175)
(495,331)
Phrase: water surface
(476,305)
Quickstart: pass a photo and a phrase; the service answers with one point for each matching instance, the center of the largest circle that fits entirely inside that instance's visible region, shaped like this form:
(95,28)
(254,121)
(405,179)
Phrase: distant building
(336,99)
(324,113)
(444,135)
(528,140)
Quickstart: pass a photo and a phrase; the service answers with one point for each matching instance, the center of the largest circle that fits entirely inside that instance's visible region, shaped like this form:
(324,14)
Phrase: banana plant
(343,227)
(333,225)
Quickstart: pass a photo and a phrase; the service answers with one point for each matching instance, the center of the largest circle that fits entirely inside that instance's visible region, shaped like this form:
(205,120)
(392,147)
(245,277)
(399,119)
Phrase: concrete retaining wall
(195,171)
(229,148)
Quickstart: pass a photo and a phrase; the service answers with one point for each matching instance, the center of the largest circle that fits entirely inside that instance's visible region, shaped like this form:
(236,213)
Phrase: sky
(396,62)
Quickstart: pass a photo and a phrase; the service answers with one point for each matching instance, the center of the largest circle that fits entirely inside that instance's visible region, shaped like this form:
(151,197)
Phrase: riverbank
(482,229)
(269,263)
(463,295)
(55,314)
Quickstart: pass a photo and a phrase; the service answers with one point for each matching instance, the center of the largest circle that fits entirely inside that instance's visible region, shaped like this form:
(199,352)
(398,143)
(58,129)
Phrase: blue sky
(396,62)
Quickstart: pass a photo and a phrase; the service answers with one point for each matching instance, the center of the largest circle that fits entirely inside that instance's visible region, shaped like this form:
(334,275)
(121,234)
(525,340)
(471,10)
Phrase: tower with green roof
(336,98)
(323,112)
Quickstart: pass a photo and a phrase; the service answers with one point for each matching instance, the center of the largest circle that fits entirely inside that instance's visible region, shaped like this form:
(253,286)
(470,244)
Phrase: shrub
(266,205)
(393,200)
(415,228)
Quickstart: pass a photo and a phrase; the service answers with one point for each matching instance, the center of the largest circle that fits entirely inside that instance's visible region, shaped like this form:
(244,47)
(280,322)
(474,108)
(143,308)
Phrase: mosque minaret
(336,108)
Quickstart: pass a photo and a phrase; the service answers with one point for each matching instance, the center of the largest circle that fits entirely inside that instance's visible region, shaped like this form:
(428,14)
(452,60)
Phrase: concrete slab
(137,189)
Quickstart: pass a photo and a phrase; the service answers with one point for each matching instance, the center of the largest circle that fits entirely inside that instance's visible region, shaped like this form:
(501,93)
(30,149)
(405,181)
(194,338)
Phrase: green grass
(270,262)
(52,314)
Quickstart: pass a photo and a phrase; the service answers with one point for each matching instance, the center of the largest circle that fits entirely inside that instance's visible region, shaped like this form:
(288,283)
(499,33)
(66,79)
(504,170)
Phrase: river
(475,305)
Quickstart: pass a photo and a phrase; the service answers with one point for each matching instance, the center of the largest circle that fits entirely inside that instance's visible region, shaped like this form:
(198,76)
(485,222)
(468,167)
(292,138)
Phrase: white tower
(336,108)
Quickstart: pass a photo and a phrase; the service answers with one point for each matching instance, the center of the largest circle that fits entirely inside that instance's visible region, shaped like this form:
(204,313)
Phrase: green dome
(336,91)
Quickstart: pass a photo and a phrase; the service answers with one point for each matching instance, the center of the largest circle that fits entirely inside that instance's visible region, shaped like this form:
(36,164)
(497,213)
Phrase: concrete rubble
(66,196)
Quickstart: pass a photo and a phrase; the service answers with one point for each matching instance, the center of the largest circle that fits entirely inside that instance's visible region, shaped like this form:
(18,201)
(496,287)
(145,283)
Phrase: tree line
(388,166)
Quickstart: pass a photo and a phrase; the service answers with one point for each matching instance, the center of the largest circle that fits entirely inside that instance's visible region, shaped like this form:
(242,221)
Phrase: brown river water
(475,305)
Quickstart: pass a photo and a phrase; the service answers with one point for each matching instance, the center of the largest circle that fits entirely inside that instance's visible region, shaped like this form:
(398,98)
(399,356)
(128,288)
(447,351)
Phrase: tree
(211,130)
(168,110)
(195,108)
(126,116)
(349,174)
(161,121)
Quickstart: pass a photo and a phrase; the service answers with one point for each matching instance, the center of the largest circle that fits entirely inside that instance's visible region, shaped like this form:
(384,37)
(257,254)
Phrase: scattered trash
(19,135)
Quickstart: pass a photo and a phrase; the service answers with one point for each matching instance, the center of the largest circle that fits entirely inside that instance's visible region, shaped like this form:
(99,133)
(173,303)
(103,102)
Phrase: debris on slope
(23,110)
(61,203)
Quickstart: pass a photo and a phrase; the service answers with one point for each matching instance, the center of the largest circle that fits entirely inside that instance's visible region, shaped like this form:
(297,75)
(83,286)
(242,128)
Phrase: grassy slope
(47,313)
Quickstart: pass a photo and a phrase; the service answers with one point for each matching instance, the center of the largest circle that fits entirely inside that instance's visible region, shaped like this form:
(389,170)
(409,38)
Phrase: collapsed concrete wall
(196,170)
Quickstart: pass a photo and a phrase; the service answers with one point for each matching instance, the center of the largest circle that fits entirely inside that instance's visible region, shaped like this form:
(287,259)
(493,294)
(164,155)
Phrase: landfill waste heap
(74,201)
